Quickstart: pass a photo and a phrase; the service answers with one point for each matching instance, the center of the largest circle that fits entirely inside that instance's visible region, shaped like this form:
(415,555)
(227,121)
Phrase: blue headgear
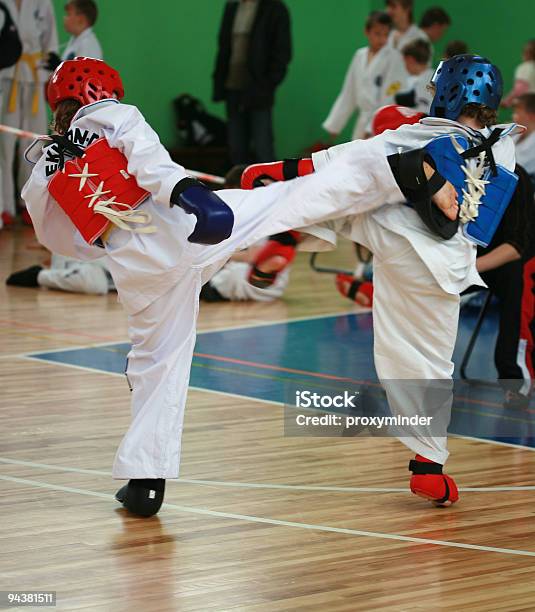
(465,79)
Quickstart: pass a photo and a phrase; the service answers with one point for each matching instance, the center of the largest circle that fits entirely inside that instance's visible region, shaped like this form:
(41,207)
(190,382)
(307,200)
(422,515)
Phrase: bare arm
(501,255)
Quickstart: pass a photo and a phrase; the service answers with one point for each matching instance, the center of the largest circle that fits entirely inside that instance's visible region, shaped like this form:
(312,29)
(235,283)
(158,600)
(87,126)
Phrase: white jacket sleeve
(346,102)
(125,128)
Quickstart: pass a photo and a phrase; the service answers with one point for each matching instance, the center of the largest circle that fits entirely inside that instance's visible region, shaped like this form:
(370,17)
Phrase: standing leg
(262,135)
(163,338)
(238,130)
(8,144)
(415,328)
(506,282)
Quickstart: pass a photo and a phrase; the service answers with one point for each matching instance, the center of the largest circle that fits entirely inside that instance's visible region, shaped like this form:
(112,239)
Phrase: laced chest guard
(95,189)
(484,188)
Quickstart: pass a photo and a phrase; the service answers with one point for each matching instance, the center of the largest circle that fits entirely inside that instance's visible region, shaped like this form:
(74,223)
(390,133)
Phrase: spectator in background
(23,93)
(524,75)
(434,22)
(405,31)
(79,19)
(254,51)
(10,52)
(417,56)
(455,47)
(524,114)
(372,77)
(507,267)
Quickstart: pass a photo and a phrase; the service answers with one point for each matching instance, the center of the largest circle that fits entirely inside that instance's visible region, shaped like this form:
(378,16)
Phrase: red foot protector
(96,189)
(282,245)
(429,482)
(275,171)
(349,287)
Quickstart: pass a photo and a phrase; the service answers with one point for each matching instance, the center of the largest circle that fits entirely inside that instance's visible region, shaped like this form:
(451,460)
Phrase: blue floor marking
(322,350)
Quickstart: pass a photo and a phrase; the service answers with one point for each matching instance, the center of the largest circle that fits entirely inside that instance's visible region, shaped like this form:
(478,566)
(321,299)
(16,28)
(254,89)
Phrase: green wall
(167,47)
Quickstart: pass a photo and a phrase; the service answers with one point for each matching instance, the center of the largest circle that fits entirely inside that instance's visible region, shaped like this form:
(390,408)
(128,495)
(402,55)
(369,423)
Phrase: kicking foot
(429,482)
(446,197)
(142,496)
(358,291)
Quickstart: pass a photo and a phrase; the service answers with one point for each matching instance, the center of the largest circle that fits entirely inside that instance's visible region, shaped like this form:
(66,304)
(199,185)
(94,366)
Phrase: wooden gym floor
(258,521)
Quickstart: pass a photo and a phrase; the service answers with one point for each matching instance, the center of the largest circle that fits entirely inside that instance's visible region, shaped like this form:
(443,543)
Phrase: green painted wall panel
(167,47)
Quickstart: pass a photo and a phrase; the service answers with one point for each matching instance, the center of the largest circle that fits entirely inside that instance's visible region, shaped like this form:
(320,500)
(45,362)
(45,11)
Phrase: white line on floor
(258,485)
(281,523)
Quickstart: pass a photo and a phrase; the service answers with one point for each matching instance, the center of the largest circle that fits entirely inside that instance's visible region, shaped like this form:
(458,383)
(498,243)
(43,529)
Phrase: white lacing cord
(473,169)
(120,218)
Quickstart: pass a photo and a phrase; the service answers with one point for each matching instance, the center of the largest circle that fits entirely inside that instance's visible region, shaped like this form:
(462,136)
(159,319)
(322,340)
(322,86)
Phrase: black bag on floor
(195,126)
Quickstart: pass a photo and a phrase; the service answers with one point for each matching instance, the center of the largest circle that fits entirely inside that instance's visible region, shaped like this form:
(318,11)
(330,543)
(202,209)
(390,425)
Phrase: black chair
(471,343)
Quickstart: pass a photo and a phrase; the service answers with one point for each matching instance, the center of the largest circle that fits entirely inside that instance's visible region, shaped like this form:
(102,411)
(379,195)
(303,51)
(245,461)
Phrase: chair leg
(317,268)
(473,339)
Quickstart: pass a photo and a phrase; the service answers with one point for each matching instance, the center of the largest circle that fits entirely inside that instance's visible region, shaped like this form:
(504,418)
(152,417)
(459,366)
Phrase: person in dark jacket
(507,266)
(254,50)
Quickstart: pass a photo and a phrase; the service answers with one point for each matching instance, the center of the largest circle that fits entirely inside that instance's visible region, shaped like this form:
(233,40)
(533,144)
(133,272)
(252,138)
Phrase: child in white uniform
(417,277)
(24,106)
(372,77)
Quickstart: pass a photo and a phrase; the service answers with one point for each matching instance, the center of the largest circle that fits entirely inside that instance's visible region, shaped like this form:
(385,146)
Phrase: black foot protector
(25,278)
(143,497)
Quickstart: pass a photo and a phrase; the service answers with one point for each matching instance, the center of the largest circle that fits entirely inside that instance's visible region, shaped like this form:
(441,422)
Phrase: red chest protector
(95,190)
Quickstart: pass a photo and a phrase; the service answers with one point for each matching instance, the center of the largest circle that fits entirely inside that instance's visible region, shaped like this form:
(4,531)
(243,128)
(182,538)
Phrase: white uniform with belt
(367,85)
(24,105)
(159,276)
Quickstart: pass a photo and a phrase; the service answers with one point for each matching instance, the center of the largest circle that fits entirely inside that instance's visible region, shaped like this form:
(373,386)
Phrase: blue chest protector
(484,188)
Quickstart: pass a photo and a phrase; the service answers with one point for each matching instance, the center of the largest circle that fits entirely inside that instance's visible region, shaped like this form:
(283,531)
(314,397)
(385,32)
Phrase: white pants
(22,118)
(67,274)
(415,328)
(415,319)
(163,337)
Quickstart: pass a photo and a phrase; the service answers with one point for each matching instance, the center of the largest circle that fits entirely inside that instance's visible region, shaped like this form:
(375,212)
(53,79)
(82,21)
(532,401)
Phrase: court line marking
(254,399)
(283,370)
(282,523)
(255,485)
(199,332)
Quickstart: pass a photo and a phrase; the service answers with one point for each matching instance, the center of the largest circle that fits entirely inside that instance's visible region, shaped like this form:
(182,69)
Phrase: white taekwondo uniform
(366,87)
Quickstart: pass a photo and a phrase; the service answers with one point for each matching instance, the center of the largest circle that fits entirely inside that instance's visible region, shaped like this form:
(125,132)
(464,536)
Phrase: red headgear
(84,79)
(392,116)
